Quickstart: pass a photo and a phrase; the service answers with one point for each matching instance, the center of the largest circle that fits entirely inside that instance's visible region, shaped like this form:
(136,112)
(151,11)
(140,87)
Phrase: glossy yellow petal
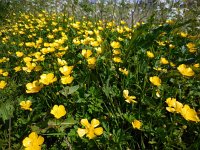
(95,123)
(98,131)
(81,132)
(85,123)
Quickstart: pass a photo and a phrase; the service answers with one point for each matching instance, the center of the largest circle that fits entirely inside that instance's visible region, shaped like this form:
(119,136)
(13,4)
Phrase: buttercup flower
(117,59)
(33,87)
(26,105)
(58,111)
(66,70)
(67,79)
(124,71)
(129,99)
(2,84)
(91,62)
(136,124)
(164,61)
(150,54)
(115,44)
(185,71)
(47,78)
(155,80)
(86,53)
(192,47)
(173,105)
(33,142)
(90,129)
(19,54)
(189,114)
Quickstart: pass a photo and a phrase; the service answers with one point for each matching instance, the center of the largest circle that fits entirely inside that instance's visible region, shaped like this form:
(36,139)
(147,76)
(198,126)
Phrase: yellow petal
(81,132)
(98,131)
(95,123)
(85,123)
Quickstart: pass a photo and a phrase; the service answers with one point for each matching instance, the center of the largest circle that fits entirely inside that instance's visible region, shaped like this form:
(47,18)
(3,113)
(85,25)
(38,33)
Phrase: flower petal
(85,123)
(98,131)
(95,123)
(81,132)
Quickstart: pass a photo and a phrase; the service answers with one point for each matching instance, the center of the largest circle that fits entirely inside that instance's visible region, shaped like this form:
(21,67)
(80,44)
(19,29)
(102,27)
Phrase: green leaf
(6,110)
(69,90)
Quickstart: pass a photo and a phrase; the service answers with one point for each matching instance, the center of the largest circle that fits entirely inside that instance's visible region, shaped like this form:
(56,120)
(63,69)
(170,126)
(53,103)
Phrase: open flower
(47,78)
(155,80)
(150,54)
(173,105)
(33,87)
(124,71)
(185,71)
(26,105)
(163,61)
(2,84)
(189,114)
(58,111)
(67,79)
(192,47)
(115,44)
(66,70)
(90,129)
(86,53)
(129,99)
(136,124)
(33,142)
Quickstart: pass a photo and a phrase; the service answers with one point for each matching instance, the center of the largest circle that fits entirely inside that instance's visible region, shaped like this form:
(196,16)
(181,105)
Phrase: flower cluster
(185,110)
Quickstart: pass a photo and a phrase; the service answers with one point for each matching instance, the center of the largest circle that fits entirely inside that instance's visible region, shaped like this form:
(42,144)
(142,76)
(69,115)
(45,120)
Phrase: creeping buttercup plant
(78,84)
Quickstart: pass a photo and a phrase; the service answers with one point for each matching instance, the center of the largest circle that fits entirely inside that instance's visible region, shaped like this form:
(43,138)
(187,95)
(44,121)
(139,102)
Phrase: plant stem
(9,130)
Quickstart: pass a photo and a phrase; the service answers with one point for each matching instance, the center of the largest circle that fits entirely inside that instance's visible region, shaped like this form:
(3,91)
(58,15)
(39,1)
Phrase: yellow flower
(117,59)
(174,106)
(116,52)
(19,54)
(18,68)
(191,47)
(115,44)
(161,43)
(26,105)
(61,62)
(171,46)
(189,114)
(91,62)
(90,129)
(196,65)
(86,53)
(33,87)
(185,71)
(67,79)
(164,61)
(5,74)
(124,71)
(150,54)
(137,124)
(33,142)
(47,78)
(183,34)
(58,111)
(129,99)
(155,80)
(2,84)
(66,70)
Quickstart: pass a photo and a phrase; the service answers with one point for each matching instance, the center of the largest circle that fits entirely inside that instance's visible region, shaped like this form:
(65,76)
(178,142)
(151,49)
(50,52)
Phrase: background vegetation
(111,47)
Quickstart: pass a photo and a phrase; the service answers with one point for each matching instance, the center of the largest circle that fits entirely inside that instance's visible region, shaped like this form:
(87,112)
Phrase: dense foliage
(123,87)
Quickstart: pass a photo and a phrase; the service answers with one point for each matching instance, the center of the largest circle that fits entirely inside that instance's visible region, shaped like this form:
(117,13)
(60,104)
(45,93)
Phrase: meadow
(70,82)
